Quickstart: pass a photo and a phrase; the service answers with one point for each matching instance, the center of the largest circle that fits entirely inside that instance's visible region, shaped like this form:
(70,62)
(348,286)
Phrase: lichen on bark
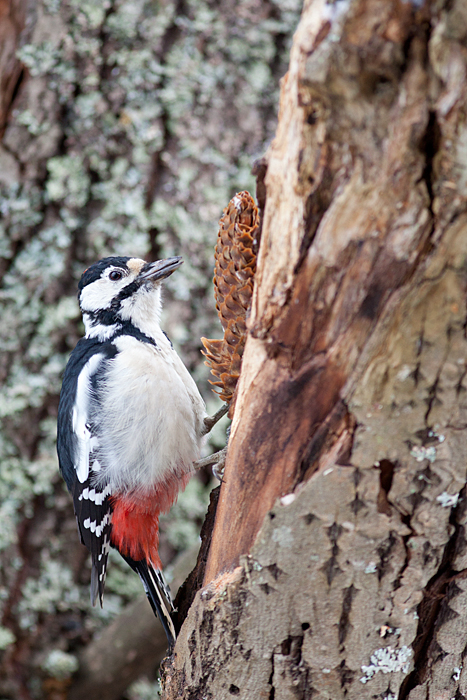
(132,124)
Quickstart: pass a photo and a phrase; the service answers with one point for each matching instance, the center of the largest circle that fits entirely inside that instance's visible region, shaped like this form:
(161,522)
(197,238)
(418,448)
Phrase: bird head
(119,289)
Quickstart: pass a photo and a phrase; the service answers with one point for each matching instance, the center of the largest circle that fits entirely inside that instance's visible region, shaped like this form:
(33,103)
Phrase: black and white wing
(78,450)
(94,516)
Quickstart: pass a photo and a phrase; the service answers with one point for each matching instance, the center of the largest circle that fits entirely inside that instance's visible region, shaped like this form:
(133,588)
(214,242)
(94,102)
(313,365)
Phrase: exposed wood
(315,305)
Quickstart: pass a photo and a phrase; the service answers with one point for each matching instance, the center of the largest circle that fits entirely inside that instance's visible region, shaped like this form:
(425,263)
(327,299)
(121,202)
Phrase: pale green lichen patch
(52,591)
(68,180)
(447,500)
(143,689)
(421,453)
(6,637)
(40,58)
(60,665)
(387,660)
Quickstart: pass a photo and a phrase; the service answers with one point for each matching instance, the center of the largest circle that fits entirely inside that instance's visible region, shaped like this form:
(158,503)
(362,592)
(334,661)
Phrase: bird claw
(217,460)
(218,467)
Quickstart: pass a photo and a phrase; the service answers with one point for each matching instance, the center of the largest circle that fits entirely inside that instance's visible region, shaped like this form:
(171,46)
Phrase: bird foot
(211,421)
(217,460)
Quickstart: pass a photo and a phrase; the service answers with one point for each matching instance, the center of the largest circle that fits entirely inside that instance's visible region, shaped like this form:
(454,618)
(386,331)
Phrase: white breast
(150,418)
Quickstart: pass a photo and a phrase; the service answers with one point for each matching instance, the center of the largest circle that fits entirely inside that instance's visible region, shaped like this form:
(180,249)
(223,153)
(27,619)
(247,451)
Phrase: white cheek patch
(99,294)
(143,310)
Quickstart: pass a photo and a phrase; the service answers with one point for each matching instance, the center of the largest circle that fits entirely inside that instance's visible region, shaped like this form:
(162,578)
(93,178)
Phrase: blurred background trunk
(337,566)
(126,126)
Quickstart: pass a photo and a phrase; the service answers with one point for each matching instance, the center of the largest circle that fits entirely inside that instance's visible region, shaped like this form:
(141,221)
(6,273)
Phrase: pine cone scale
(235,267)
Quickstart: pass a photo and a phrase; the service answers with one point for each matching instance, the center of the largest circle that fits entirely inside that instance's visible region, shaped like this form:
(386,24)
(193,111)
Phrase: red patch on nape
(135,520)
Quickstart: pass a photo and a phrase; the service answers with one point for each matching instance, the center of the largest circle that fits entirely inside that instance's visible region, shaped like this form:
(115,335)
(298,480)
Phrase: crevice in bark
(405,518)
(259,170)
(326,434)
(102,38)
(157,164)
(14,94)
(155,248)
(429,146)
(384,553)
(272,692)
(346,674)
(432,397)
(194,582)
(16,30)
(331,567)
(5,110)
(316,206)
(386,473)
(434,609)
(344,618)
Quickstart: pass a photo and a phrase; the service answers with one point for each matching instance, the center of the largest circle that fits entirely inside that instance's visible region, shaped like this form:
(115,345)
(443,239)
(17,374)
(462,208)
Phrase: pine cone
(234,272)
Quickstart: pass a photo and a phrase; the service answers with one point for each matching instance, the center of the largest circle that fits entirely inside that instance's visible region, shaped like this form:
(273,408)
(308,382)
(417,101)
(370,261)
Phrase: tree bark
(337,562)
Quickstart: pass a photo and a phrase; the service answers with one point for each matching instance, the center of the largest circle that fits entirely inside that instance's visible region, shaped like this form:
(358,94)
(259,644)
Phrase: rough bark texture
(351,405)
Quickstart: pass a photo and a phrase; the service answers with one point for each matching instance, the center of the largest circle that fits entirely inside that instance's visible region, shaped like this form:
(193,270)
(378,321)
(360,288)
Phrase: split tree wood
(337,562)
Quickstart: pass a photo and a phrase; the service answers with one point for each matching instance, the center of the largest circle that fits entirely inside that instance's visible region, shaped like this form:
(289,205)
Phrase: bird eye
(115,275)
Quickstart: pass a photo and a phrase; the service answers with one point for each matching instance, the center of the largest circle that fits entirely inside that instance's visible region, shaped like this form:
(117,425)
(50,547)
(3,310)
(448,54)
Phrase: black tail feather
(158,594)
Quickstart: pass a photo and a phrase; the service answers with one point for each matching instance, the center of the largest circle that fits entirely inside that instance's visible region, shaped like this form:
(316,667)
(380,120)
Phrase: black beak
(159,270)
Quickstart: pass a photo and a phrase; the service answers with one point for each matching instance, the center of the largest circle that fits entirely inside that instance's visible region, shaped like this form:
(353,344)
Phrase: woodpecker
(130,423)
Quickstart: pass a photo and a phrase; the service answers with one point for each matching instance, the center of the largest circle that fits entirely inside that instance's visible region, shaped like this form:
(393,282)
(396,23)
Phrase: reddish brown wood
(316,305)
(295,402)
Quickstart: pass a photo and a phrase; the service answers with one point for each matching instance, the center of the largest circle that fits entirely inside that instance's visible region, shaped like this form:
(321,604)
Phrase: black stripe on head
(94,272)
(103,317)
(125,293)
(109,317)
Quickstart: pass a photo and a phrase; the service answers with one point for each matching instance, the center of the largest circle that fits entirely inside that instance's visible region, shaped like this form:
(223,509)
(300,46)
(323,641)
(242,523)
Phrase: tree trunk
(337,562)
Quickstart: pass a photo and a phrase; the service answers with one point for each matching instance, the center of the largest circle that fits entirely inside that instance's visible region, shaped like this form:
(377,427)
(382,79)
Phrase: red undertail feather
(135,520)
